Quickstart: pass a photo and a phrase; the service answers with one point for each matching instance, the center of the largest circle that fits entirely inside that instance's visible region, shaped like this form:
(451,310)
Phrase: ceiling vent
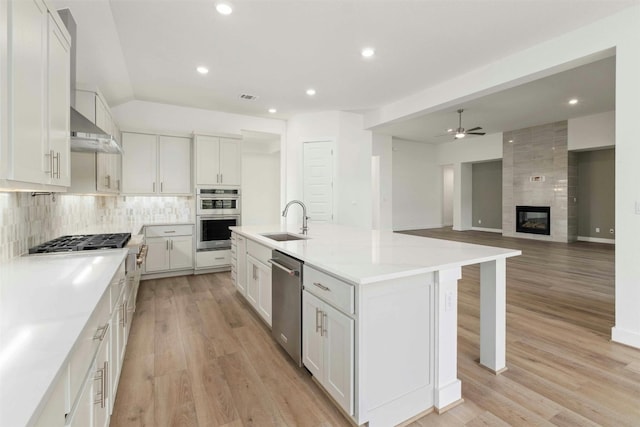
(248,97)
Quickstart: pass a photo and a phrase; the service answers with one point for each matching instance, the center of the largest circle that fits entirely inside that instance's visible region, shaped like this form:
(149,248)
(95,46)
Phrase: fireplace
(533,219)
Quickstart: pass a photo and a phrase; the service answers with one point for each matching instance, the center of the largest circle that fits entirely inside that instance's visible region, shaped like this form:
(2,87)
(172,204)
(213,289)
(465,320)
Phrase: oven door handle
(282,267)
(142,255)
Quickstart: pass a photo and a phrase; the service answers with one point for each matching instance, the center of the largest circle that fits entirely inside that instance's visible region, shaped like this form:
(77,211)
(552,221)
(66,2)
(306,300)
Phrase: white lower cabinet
(328,338)
(241,264)
(259,287)
(170,248)
(253,274)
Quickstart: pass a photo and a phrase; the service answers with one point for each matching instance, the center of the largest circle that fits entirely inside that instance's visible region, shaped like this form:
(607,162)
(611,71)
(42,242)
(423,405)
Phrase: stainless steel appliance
(83,242)
(212,231)
(286,303)
(218,201)
(217,210)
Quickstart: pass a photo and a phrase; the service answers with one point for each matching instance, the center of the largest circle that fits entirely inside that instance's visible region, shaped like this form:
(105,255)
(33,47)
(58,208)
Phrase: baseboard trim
(596,240)
(626,337)
(488,230)
(417,227)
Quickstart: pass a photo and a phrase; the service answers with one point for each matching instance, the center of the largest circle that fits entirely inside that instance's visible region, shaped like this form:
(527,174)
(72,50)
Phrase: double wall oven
(217,210)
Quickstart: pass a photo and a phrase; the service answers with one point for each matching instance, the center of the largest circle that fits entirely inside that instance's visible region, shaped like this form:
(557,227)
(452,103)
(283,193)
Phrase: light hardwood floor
(198,356)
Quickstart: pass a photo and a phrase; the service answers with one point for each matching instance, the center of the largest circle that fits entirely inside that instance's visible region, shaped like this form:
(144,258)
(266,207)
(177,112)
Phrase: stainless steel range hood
(85,135)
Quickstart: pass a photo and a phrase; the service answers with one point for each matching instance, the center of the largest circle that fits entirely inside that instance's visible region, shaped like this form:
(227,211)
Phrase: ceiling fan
(460,132)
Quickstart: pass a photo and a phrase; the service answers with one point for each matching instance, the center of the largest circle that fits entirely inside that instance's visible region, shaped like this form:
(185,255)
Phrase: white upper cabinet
(156,164)
(139,163)
(35,88)
(174,165)
(217,161)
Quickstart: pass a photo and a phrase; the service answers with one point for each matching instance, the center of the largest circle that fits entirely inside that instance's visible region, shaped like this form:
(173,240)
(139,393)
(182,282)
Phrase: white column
(462,181)
(493,315)
(447,385)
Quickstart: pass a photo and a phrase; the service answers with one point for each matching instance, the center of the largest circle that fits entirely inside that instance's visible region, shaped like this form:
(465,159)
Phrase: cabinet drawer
(168,230)
(259,252)
(117,285)
(87,345)
(334,291)
(213,258)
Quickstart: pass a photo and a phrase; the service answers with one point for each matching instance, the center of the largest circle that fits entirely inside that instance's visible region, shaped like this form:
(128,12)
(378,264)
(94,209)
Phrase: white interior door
(318,180)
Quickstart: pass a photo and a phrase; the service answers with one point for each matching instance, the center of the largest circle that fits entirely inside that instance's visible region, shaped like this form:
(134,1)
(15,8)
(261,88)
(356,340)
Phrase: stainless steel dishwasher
(286,300)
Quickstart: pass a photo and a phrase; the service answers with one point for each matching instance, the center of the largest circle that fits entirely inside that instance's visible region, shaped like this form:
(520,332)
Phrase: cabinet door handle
(325,320)
(161,187)
(154,186)
(167,245)
(58,165)
(123,314)
(172,245)
(50,156)
(321,286)
(101,332)
(318,322)
(101,375)
(118,181)
(221,178)
(108,181)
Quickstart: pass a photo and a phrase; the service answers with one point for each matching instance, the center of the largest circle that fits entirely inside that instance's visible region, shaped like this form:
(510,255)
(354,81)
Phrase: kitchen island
(396,316)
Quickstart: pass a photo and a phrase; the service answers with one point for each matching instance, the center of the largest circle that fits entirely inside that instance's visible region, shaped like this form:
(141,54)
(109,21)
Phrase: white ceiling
(276,49)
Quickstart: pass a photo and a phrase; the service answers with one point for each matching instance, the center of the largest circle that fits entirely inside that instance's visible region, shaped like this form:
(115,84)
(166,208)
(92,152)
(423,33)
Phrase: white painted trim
(596,240)
(488,230)
(625,337)
(417,227)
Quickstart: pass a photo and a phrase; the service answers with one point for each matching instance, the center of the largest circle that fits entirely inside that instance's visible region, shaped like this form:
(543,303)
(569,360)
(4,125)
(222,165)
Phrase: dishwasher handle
(282,267)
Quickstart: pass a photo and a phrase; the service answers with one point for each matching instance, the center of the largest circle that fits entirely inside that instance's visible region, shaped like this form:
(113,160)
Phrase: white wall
(383,203)
(146,116)
(470,150)
(592,132)
(447,195)
(619,32)
(352,162)
(260,188)
(417,186)
(353,177)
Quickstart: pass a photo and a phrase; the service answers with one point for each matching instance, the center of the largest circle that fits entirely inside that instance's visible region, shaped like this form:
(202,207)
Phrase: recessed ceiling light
(511,141)
(273,110)
(224,8)
(573,101)
(202,70)
(368,52)
(311,92)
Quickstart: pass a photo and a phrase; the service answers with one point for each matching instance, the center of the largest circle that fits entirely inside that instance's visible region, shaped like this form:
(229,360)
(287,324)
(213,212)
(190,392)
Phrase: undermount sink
(283,237)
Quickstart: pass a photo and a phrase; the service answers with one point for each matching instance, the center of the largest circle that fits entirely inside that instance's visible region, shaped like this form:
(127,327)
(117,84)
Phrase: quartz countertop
(45,302)
(363,256)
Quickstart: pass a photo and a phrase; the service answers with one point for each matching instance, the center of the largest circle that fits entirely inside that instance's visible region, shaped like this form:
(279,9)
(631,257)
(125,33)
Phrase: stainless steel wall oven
(217,210)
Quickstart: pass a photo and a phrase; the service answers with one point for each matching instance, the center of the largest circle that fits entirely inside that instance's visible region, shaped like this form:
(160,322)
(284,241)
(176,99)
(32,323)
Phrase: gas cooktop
(82,243)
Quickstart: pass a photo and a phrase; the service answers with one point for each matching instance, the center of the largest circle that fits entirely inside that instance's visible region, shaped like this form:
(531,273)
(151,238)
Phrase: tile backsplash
(26,221)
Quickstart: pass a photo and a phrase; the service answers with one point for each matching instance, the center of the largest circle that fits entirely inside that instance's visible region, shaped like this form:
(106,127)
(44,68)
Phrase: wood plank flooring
(199,356)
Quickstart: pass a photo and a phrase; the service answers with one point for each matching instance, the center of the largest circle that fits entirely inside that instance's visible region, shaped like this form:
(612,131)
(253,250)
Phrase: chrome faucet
(304,214)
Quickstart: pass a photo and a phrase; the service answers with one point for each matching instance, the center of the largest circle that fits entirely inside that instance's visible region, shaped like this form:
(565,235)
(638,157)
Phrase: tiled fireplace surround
(26,221)
(537,170)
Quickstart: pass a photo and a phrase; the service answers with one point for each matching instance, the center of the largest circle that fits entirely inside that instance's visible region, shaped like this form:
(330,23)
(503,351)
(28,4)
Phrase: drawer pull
(321,286)
(101,332)
(219,258)
(170,231)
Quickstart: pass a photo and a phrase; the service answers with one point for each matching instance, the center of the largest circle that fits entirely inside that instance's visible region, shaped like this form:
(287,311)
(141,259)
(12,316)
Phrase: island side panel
(448,389)
(395,350)
(493,297)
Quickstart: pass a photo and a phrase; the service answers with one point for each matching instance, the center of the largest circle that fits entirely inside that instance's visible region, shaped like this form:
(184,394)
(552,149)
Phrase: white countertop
(45,302)
(364,256)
